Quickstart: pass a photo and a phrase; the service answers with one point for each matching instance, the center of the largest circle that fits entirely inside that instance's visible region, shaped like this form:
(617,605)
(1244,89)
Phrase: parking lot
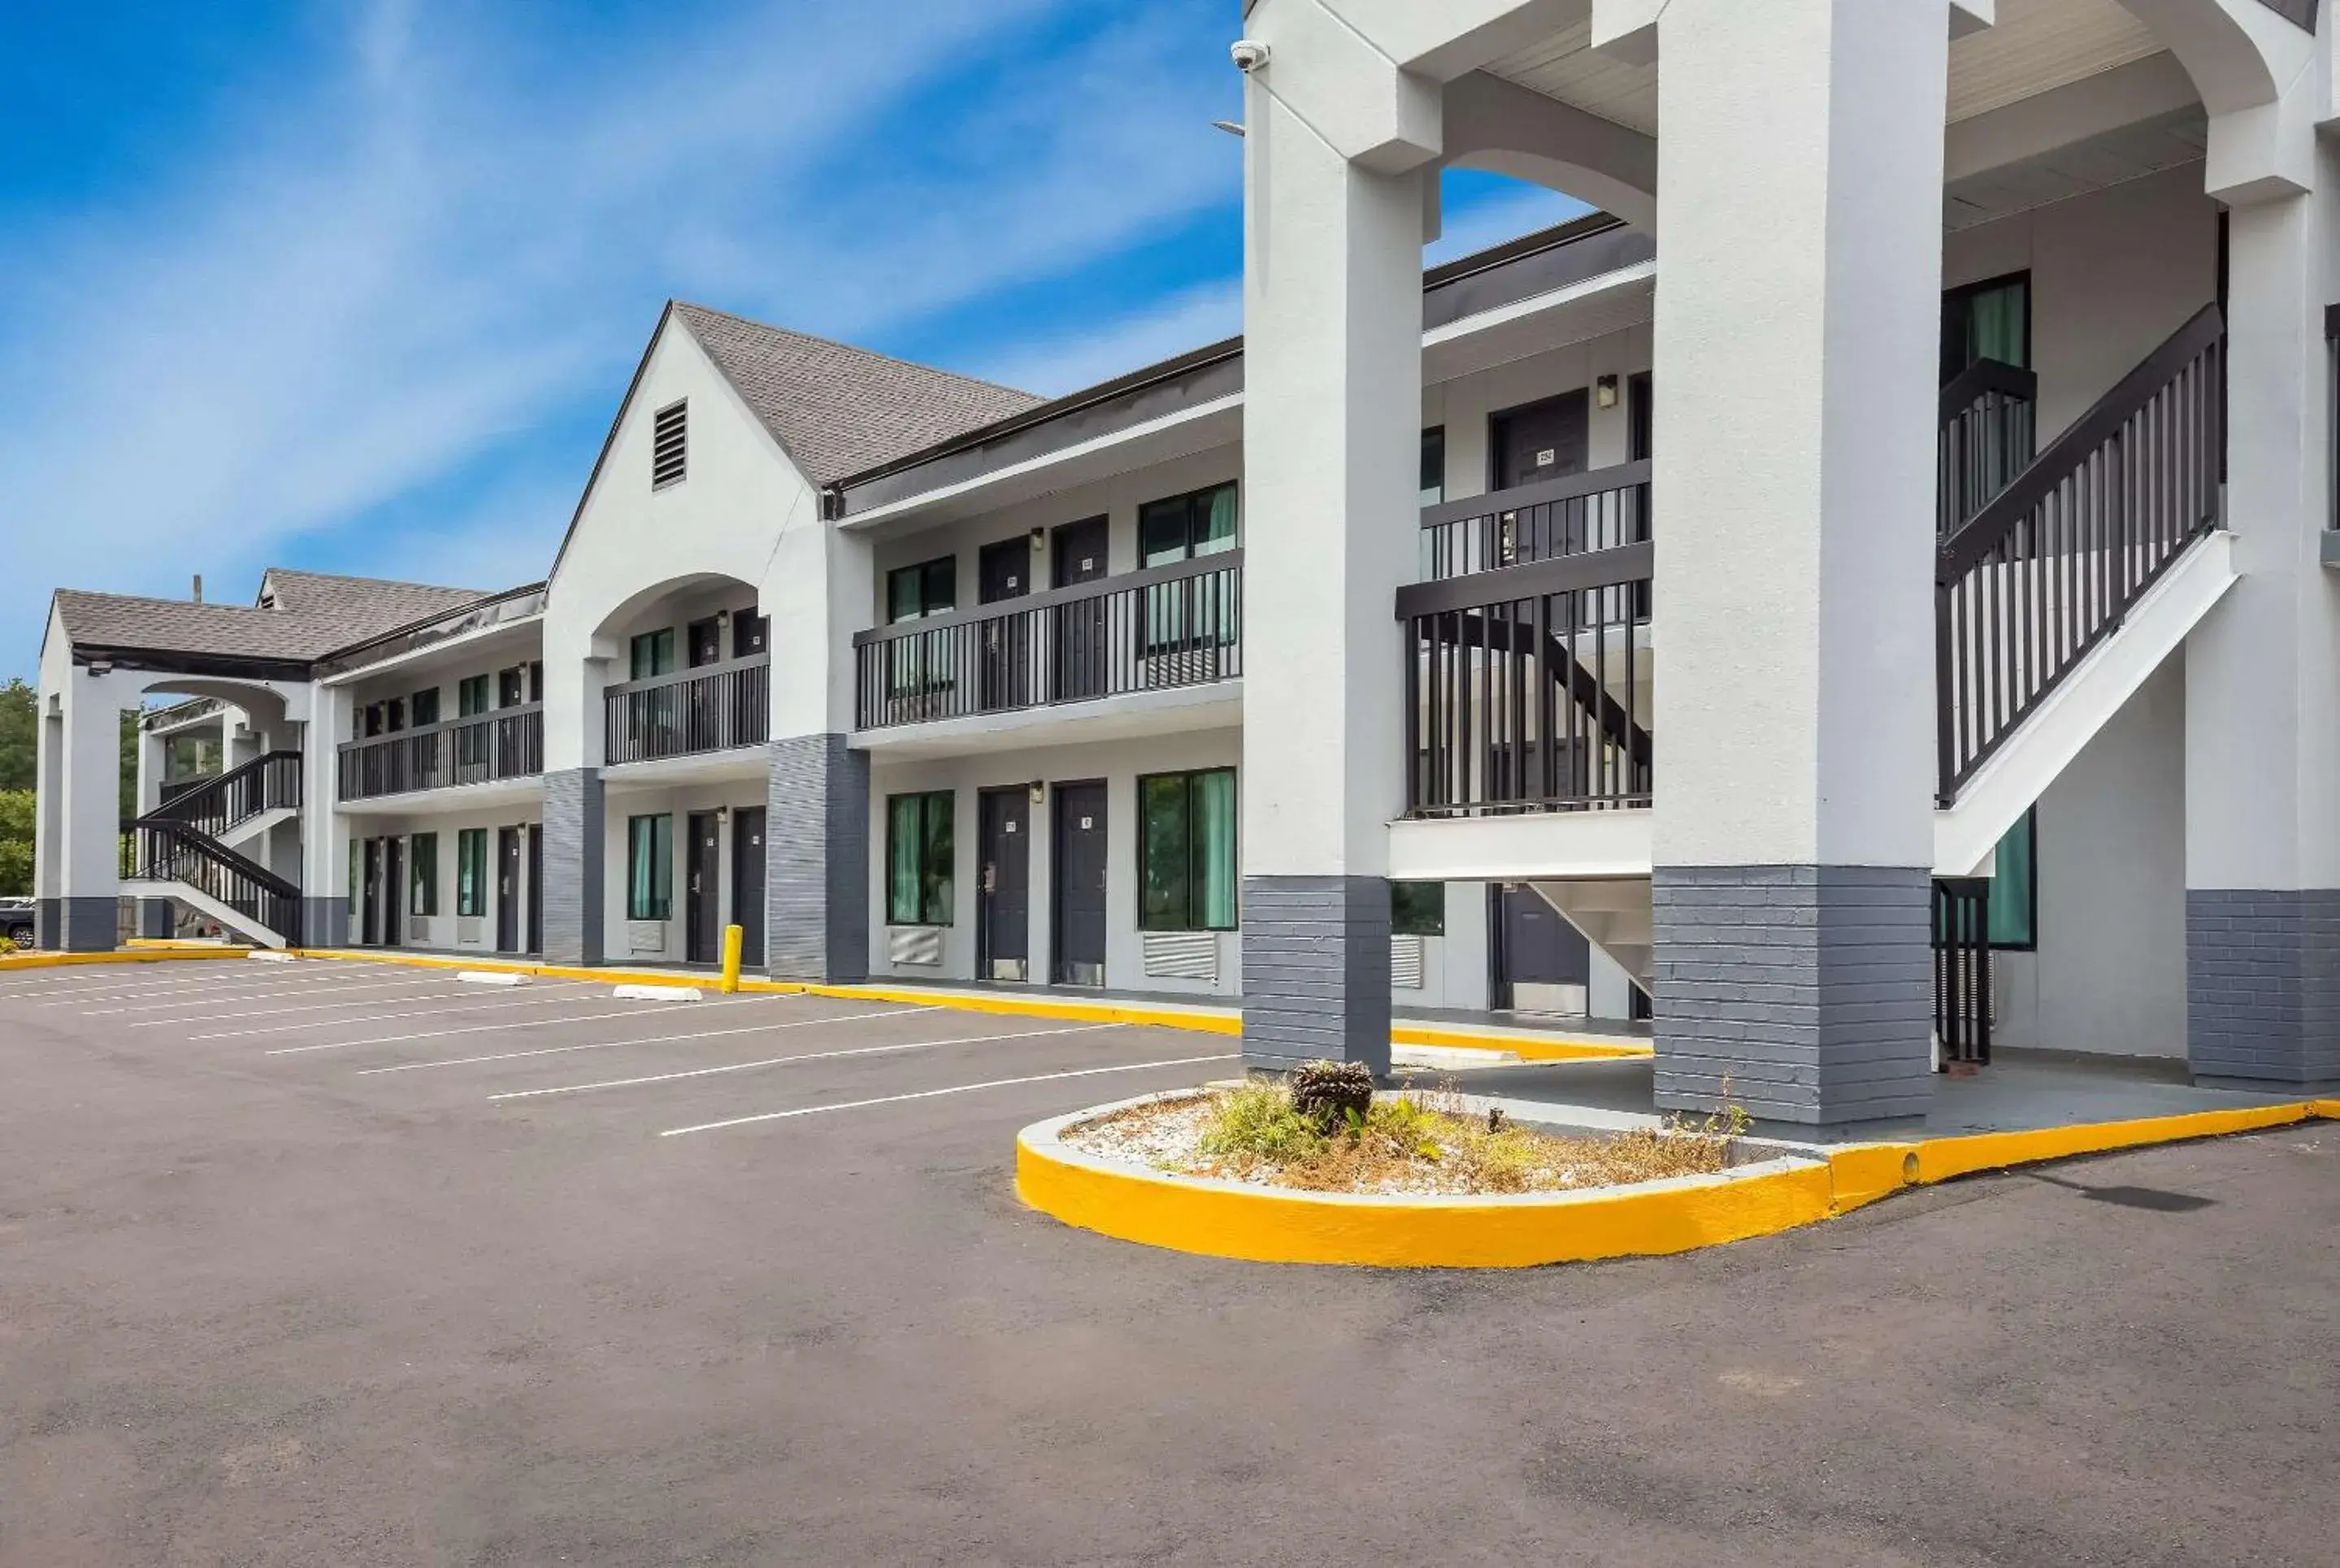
(335,1262)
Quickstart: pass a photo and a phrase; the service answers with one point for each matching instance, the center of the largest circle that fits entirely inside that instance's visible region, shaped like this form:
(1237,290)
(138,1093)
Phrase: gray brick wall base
(817,861)
(89,924)
(2263,986)
(1316,971)
(324,922)
(49,923)
(573,893)
(1803,993)
(154,918)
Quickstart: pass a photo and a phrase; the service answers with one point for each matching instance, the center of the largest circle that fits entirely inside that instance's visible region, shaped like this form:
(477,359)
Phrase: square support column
(1331,435)
(78,827)
(2263,681)
(816,859)
(325,831)
(1796,344)
(574,837)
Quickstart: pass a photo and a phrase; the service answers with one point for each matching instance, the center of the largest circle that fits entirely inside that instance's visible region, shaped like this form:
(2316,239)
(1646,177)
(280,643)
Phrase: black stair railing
(1988,421)
(268,782)
(1962,994)
(169,851)
(2049,568)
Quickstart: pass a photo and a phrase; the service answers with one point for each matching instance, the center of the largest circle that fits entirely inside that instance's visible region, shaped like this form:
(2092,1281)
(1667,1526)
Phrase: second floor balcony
(504,743)
(718,706)
(1161,628)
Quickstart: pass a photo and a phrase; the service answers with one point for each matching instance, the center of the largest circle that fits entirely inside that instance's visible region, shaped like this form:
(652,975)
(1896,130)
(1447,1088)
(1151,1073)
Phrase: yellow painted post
(732,936)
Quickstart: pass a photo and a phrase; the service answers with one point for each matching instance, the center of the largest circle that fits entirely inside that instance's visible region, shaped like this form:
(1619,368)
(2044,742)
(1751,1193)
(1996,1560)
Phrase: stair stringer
(2037,750)
(195,899)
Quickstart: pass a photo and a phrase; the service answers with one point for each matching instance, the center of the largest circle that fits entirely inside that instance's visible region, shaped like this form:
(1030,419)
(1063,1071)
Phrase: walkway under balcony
(1145,653)
(481,759)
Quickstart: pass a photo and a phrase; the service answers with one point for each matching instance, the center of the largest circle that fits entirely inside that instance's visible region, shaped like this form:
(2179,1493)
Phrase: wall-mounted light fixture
(1039,540)
(100,667)
(1604,391)
(1039,792)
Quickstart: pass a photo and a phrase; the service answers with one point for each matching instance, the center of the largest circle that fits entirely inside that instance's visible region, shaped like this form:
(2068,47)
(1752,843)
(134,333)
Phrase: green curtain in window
(904,844)
(2013,896)
(1995,322)
(1214,816)
(649,860)
(422,861)
(1215,527)
(1165,862)
(357,877)
(940,847)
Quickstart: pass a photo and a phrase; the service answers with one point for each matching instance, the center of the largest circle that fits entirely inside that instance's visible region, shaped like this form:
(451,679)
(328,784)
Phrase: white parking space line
(807,1057)
(138,984)
(606,1045)
(457,1002)
(205,1001)
(937,1093)
(473,1029)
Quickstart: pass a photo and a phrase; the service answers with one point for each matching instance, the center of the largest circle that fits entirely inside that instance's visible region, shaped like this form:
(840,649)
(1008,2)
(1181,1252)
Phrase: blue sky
(356,286)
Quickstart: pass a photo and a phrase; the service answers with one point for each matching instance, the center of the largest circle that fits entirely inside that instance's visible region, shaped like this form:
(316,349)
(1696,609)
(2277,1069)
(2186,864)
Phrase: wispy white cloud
(1188,320)
(458,237)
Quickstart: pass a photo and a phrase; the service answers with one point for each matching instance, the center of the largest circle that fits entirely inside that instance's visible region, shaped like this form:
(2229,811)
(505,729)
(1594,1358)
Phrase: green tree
(16,843)
(19,707)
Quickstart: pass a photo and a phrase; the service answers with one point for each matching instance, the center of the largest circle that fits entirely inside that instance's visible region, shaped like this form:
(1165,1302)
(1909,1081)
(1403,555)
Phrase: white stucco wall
(446,930)
(2109,975)
(2113,272)
(632,545)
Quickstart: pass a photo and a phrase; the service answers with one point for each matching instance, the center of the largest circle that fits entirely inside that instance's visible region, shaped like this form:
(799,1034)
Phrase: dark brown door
(508,872)
(705,641)
(750,633)
(536,887)
(1004,894)
(748,853)
(1079,665)
(701,939)
(1540,441)
(393,891)
(1078,875)
(1004,571)
(370,896)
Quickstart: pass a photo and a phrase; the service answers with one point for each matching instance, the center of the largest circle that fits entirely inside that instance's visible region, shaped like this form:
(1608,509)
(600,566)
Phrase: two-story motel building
(1865,599)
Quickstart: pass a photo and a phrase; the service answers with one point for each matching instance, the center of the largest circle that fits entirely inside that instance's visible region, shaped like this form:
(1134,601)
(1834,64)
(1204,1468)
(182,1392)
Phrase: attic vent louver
(667,441)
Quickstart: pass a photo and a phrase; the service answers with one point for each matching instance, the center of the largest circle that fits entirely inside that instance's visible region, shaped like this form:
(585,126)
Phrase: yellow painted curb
(1528,1048)
(1267,1224)
(118,956)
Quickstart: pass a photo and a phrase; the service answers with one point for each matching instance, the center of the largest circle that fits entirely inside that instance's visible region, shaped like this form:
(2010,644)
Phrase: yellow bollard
(732,936)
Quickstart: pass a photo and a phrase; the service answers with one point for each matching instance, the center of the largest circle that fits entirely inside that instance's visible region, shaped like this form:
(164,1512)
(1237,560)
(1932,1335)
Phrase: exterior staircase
(185,849)
(1613,913)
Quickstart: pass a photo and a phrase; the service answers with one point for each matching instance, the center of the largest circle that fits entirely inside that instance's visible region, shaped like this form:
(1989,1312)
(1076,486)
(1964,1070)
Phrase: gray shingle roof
(837,410)
(314,614)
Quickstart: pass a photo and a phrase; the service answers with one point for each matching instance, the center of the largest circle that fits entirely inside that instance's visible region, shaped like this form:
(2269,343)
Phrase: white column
(1795,351)
(1331,423)
(153,914)
(325,831)
(90,815)
(2263,678)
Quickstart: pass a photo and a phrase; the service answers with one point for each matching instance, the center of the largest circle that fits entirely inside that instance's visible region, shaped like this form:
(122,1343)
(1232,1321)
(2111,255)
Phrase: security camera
(1248,54)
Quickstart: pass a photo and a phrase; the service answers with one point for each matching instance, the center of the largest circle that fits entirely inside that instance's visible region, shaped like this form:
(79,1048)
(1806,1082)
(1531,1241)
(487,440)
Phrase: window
(1186,851)
(669,439)
(918,853)
(426,707)
(1191,613)
(472,871)
(651,653)
(915,593)
(357,882)
(470,696)
(2014,888)
(422,862)
(1185,526)
(1418,909)
(649,867)
(1639,417)
(1987,321)
(1433,465)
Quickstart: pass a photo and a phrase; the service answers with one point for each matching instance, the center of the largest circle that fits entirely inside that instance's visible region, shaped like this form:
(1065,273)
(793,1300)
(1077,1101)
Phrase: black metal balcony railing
(506,743)
(1573,515)
(211,806)
(169,851)
(710,707)
(1524,687)
(1150,630)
